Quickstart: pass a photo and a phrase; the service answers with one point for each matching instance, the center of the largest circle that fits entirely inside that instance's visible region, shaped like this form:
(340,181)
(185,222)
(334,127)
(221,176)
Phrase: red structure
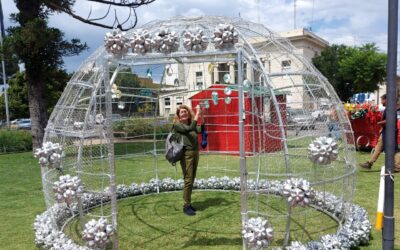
(367,131)
(261,129)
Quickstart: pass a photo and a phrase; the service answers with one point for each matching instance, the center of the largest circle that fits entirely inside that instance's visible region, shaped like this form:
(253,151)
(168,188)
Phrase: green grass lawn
(156,221)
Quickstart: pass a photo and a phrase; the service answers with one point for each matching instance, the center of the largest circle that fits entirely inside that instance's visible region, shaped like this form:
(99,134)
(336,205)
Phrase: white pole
(4,67)
(381,201)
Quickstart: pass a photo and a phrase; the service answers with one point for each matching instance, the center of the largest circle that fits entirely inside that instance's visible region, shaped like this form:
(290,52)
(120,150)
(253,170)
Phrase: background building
(188,79)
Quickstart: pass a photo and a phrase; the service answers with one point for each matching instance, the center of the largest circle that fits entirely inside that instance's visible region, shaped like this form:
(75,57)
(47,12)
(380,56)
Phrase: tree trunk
(37,109)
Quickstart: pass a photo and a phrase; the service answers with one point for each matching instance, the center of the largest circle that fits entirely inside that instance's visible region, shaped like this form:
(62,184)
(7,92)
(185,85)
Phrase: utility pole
(2,34)
(390,128)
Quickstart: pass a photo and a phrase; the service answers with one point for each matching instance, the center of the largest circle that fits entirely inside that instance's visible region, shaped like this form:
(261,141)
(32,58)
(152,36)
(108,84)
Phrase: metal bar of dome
(110,136)
(242,157)
(284,139)
(181,57)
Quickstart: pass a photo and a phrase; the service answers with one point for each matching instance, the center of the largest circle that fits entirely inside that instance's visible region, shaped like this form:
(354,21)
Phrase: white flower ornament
(195,41)
(97,233)
(116,43)
(323,150)
(140,42)
(49,154)
(257,233)
(68,189)
(225,36)
(165,41)
(298,192)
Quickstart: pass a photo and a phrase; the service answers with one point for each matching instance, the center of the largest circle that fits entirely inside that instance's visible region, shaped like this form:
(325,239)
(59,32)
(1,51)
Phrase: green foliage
(17,99)
(364,69)
(15,141)
(125,78)
(143,127)
(18,94)
(352,69)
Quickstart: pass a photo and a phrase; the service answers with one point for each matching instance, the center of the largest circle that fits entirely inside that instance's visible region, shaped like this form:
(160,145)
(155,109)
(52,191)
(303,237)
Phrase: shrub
(143,127)
(15,141)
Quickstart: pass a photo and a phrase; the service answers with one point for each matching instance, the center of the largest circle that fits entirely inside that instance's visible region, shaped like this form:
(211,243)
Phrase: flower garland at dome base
(354,231)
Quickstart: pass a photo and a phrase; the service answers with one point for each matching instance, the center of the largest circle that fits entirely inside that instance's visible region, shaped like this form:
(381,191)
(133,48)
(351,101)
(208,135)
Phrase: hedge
(15,141)
(143,127)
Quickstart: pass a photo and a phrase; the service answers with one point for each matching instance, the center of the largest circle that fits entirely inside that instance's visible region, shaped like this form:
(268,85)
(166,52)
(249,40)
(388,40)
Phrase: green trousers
(189,162)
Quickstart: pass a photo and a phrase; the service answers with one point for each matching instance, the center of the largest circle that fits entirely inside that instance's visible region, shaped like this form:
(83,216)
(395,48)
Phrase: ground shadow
(211,202)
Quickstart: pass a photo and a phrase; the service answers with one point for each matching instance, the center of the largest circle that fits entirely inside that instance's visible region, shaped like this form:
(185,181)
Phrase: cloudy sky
(342,21)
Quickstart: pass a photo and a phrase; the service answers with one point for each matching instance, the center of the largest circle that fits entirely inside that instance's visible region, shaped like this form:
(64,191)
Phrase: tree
(18,98)
(42,48)
(364,69)
(352,69)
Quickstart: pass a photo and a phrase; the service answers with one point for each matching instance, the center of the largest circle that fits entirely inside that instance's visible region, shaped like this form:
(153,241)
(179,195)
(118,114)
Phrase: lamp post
(2,34)
(390,136)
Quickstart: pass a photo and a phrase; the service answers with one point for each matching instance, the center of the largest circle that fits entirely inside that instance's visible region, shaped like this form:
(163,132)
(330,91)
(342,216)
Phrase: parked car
(24,124)
(116,117)
(300,119)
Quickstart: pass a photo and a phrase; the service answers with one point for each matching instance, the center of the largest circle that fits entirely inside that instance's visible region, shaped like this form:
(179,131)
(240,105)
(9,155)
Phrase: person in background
(186,128)
(333,125)
(379,147)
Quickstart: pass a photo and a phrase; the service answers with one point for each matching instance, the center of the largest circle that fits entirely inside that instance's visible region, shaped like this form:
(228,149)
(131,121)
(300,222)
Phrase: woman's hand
(198,109)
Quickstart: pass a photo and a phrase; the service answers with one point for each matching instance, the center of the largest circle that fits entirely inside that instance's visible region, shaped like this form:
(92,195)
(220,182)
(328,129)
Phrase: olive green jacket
(188,133)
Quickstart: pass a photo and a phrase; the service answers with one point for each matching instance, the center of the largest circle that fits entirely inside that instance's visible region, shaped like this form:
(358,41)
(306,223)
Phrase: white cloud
(350,22)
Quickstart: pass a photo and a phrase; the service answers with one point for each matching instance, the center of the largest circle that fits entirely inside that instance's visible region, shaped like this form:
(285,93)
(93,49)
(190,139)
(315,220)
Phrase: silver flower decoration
(97,233)
(67,189)
(145,188)
(168,184)
(331,242)
(140,42)
(116,43)
(165,41)
(296,245)
(123,191)
(78,125)
(323,150)
(257,233)
(195,41)
(135,189)
(49,154)
(225,36)
(298,192)
(99,119)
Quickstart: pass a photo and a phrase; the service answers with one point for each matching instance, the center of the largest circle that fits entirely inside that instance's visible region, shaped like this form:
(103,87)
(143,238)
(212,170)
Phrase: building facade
(185,80)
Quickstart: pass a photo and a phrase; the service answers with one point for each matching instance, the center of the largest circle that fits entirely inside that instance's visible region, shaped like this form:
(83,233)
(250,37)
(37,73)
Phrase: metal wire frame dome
(266,118)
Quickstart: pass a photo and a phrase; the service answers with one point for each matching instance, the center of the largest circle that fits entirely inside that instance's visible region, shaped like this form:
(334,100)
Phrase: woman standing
(185,126)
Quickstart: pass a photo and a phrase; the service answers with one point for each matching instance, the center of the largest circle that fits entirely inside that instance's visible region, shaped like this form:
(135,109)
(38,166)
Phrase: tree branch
(131,4)
(124,3)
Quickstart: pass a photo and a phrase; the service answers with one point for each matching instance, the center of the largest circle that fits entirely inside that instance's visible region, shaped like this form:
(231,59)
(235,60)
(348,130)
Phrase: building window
(167,101)
(179,100)
(199,79)
(286,64)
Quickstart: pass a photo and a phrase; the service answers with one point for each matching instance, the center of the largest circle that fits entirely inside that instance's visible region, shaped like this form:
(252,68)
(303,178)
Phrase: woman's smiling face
(183,115)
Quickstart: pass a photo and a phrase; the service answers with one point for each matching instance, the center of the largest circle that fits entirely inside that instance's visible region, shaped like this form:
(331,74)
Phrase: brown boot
(366,165)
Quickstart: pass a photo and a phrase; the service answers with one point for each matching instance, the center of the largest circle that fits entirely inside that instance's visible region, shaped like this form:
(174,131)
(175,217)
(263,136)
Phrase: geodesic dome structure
(268,117)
